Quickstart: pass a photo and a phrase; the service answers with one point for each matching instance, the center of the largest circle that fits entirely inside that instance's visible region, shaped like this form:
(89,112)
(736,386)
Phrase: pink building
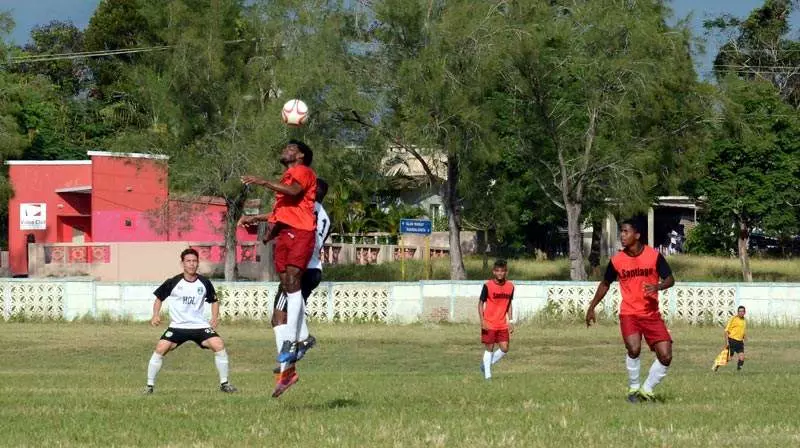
(113,197)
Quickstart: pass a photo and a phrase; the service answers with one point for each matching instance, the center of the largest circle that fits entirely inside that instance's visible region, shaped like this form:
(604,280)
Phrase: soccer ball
(294,113)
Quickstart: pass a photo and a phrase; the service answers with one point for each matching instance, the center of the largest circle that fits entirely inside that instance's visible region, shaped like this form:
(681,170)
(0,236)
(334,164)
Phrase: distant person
(188,293)
(735,335)
(496,316)
(638,268)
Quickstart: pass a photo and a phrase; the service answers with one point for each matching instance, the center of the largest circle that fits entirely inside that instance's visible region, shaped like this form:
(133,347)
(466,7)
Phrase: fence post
(330,302)
(7,301)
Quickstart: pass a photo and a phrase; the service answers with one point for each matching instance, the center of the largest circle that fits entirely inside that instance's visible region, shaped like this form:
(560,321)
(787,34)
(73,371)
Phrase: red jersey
(497,298)
(633,273)
(298,211)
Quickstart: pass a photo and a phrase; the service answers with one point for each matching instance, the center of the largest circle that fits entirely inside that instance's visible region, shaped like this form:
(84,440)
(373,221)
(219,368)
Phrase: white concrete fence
(694,303)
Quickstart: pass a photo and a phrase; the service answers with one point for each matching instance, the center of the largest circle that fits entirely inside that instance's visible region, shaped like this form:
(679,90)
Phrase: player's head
(322,190)
(629,233)
(190,259)
(500,270)
(740,311)
(296,151)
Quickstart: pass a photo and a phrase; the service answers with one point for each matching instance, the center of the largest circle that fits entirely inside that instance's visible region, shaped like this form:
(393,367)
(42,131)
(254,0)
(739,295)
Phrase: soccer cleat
(633,396)
(227,388)
(288,352)
(285,382)
(305,346)
(148,390)
(715,368)
(647,396)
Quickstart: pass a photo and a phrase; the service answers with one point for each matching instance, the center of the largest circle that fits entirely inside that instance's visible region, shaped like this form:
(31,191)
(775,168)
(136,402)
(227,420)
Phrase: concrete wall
(774,303)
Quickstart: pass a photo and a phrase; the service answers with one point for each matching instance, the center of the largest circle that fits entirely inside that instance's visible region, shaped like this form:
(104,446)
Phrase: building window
(435,211)
(128,222)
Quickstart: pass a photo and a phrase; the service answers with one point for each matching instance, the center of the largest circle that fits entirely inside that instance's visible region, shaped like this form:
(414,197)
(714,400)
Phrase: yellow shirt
(735,328)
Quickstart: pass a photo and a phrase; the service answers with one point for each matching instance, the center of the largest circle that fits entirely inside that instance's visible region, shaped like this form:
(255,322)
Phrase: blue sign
(418,226)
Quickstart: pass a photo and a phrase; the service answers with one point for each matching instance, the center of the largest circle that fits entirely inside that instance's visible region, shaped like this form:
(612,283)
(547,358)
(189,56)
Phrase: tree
(753,164)
(437,67)
(600,90)
(57,37)
(759,48)
(213,101)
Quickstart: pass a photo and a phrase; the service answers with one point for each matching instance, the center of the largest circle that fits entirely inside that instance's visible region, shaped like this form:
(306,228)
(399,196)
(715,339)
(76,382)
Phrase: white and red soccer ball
(294,113)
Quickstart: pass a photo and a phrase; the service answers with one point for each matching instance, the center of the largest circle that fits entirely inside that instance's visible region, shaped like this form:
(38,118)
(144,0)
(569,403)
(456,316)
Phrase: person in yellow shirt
(735,336)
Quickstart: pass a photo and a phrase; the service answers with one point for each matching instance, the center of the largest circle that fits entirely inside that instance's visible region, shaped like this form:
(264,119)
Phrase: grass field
(78,384)
(687,269)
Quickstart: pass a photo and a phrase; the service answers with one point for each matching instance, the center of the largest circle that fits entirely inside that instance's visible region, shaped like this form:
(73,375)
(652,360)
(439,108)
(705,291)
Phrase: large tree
(753,165)
(599,92)
(436,67)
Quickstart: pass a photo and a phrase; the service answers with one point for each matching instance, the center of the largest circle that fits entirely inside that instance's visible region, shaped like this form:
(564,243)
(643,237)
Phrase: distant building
(113,197)
(412,183)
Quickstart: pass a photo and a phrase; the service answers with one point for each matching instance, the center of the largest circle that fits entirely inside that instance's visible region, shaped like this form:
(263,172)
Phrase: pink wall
(36,182)
(126,196)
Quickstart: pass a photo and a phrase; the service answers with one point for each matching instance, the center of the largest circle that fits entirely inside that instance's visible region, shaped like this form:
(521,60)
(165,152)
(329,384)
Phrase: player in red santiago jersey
(495,312)
(292,224)
(642,272)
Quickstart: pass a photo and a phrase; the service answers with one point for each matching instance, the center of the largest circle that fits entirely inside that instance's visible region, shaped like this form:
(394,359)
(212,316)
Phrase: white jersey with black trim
(323,227)
(187,300)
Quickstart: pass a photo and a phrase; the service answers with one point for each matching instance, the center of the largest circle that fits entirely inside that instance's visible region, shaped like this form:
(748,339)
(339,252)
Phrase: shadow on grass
(337,403)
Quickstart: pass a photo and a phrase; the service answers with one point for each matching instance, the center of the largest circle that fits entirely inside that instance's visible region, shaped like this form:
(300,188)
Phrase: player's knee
(633,352)
(665,358)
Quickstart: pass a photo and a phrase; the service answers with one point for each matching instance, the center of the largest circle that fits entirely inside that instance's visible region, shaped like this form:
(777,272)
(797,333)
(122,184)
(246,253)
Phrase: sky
(28,13)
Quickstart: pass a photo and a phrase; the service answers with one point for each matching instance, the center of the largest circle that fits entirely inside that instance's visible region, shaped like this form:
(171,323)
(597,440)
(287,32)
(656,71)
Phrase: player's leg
(502,346)
(660,341)
(163,346)
(632,337)
(217,345)
(488,340)
(309,281)
(740,349)
(294,308)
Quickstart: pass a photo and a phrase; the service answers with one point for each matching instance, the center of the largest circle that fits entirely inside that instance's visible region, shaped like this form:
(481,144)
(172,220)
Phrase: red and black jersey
(633,273)
(497,297)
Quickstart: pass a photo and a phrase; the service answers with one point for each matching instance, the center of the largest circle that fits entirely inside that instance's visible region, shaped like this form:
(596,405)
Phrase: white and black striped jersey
(323,228)
(187,300)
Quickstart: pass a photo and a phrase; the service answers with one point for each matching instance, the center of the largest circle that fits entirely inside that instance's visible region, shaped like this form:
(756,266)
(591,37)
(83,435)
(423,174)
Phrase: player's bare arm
(156,319)
(510,317)
(602,290)
(295,189)
(214,315)
(667,283)
(481,306)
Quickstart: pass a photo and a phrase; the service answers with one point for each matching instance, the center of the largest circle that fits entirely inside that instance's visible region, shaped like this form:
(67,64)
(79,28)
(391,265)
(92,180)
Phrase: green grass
(687,268)
(78,384)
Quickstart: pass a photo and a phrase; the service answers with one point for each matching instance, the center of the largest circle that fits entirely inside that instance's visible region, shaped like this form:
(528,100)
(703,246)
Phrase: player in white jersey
(187,294)
(310,279)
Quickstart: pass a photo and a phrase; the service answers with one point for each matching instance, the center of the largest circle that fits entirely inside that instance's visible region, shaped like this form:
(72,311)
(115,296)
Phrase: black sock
(740,364)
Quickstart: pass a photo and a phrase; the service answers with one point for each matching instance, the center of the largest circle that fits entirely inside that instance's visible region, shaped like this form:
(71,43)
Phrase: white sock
(303,335)
(487,364)
(294,314)
(633,366)
(657,373)
(153,367)
(497,356)
(221,361)
(280,335)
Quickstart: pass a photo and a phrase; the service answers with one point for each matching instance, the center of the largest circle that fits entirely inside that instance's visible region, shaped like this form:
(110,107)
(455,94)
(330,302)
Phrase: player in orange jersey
(642,272)
(496,314)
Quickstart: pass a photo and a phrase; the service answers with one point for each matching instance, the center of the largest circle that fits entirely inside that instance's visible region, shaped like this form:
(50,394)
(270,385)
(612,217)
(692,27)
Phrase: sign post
(416,227)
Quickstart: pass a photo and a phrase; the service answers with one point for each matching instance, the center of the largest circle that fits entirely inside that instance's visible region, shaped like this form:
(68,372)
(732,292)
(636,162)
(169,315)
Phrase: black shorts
(735,346)
(309,282)
(181,335)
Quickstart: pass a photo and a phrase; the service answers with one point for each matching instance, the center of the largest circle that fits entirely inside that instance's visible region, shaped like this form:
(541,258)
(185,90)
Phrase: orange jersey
(297,212)
(497,298)
(633,273)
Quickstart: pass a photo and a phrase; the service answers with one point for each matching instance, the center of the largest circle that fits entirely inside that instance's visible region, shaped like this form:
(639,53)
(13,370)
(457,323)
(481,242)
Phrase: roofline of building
(131,155)
(48,162)
(78,189)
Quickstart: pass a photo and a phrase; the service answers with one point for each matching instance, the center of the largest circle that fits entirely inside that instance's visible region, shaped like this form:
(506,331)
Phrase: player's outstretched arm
(156,319)
(295,189)
(602,290)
